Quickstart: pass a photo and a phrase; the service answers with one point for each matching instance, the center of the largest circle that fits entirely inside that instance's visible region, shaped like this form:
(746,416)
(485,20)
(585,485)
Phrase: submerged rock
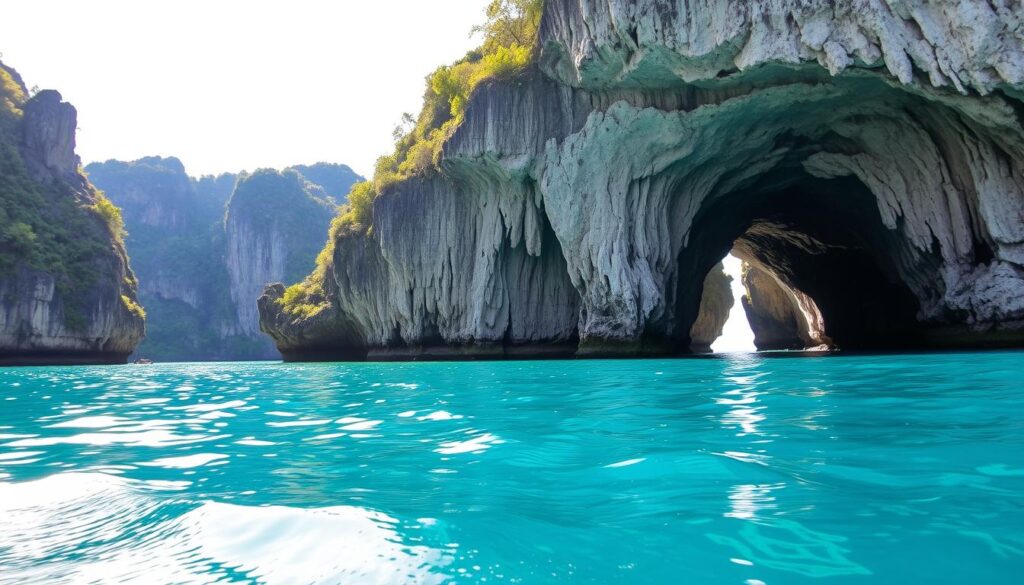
(67,294)
(869,156)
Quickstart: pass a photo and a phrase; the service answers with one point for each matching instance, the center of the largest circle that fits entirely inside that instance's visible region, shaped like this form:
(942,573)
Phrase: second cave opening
(819,269)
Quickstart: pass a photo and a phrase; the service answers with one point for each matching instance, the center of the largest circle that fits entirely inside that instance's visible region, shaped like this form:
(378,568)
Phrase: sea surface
(743,470)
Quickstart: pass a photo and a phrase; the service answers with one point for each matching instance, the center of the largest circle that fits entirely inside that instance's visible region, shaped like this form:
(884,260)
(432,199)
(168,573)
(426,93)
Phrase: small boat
(143,362)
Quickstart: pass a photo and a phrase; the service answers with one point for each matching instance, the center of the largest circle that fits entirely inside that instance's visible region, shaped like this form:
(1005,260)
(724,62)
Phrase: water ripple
(175,541)
(868,469)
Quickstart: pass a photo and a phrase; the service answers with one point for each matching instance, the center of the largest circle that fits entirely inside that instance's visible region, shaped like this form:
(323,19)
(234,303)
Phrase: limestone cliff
(67,294)
(203,261)
(780,317)
(867,154)
(715,304)
(173,244)
(274,227)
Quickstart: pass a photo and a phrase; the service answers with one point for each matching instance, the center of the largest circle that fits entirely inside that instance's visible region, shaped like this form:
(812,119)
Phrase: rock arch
(918,199)
(869,157)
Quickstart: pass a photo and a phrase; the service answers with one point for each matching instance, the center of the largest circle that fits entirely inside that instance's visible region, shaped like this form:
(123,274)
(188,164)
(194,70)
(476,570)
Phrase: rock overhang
(596,177)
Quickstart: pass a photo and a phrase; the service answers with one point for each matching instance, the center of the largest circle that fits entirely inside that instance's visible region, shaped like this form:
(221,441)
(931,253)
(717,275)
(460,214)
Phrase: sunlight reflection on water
(742,469)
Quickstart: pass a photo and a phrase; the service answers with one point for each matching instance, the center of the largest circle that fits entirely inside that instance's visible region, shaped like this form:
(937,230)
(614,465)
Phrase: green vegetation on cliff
(42,226)
(308,298)
(509,46)
(510,35)
(197,244)
(282,202)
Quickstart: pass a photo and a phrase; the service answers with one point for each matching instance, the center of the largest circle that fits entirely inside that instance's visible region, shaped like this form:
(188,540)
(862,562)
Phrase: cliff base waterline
(866,162)
(65,358)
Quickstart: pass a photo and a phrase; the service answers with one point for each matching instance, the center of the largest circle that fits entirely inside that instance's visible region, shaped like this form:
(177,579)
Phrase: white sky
(227,85)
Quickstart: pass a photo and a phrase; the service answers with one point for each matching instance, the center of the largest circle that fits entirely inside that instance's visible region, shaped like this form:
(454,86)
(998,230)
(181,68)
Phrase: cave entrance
(820,267)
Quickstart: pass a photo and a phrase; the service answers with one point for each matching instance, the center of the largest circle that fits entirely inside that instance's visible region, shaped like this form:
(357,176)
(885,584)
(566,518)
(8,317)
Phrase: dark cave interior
(820,237)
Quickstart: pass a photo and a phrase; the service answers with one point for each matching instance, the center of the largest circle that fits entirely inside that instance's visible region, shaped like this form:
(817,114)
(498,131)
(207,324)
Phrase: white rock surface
(651,123)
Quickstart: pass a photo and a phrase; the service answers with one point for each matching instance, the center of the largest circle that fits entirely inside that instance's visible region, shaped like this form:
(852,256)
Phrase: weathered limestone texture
(715,304)
(867,154)
(87,313)
(782,318)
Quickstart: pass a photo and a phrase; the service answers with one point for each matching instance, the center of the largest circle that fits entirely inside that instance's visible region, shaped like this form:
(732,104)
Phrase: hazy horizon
(233,86)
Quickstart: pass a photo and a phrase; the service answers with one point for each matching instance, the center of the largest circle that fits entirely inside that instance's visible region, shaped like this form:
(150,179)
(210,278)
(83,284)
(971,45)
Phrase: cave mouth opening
(820,268)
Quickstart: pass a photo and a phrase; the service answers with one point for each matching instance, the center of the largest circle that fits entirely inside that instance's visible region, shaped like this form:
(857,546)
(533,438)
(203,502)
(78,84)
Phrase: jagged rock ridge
(867,155)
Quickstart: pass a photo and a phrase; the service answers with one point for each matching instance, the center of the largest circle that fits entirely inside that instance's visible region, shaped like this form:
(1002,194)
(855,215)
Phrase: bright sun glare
(736,336)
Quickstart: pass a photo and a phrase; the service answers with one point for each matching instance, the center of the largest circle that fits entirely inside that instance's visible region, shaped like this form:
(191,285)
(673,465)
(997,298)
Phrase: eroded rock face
(655,137)
(67,294)
(962,44)
(271,230)
(36,328)
(48,137)
(715,304)
(780,317)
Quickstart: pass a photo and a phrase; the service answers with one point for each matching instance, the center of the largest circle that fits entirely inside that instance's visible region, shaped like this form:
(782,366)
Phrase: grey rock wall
(252,258)
(83,313)
(48,137)
(780,317)
(715,303)
(878,143)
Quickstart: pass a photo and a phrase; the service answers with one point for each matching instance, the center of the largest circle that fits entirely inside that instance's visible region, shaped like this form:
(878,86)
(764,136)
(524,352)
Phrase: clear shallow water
(747,470)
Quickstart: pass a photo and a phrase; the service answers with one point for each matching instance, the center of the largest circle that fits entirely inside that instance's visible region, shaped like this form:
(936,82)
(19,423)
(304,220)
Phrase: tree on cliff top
(509,42)
(509,23)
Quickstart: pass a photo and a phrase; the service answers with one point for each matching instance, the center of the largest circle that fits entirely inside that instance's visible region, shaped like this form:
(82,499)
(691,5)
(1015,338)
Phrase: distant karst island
(203,248)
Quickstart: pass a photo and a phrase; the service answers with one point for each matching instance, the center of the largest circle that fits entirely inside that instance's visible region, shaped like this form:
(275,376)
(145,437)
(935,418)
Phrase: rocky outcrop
(780,317)
(866,142)
(67,294)
(715,303)
(48,138)
(203,261)
(274,228)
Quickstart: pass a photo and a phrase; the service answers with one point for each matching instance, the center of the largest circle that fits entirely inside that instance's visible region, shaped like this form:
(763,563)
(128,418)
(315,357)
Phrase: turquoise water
(744,470)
